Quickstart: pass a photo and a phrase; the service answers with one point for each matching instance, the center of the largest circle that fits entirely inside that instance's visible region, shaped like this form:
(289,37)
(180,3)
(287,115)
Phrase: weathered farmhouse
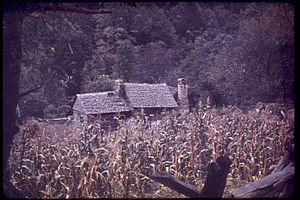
(128,99)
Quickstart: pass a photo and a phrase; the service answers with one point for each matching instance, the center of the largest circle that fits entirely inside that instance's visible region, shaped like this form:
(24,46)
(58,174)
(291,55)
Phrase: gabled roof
(150,95)
(173,90)
(138,95)
(102,102)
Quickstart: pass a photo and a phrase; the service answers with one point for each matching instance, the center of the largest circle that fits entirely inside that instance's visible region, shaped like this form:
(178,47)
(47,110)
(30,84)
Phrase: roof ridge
(91,93)
(147,83)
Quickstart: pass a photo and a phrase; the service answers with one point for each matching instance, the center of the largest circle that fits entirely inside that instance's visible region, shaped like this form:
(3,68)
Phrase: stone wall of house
(79,121)
(183,102)
(108,120)
(119,88)
(153,113)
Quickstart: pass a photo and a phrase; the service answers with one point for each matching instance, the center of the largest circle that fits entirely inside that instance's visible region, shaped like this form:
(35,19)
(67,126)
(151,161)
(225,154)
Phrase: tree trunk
(13,15)
(12,54)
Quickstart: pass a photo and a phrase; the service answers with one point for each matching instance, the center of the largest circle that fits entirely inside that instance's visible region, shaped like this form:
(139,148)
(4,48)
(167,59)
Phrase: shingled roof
(143,95)
(173,90)
(139,95)
(102,102)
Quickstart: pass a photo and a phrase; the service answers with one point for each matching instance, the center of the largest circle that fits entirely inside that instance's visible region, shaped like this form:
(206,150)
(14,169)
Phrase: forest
(237,59)
(236,53)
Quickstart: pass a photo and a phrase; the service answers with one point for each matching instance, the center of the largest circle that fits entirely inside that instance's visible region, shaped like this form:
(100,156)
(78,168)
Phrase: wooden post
(216,178)
(214,183)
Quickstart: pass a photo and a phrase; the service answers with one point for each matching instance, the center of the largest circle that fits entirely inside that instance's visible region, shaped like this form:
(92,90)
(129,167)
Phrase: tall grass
(53,162)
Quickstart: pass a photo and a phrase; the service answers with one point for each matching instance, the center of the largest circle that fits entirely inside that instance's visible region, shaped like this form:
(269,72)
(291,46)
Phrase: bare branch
(29,91)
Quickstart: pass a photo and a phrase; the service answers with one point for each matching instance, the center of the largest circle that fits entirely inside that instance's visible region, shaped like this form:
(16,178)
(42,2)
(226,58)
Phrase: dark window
(81,119)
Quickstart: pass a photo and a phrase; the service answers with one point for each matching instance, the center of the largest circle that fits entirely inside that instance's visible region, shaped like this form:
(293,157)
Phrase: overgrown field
(50,161)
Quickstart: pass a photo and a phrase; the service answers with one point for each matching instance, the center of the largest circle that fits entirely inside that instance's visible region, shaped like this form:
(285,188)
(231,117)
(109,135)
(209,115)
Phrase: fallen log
(214,183)
(280,183)
(284,161)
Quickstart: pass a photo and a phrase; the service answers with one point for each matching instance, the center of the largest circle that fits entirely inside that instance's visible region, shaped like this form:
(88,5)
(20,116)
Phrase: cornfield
(47,162)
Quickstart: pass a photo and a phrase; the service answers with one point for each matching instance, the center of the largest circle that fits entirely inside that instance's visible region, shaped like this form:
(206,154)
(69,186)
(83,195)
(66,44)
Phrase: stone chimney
(119,87)
(183,102)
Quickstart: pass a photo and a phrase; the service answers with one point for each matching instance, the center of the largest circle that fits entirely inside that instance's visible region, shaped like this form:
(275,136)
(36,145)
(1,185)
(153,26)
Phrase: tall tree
(56,45)
(155,62)
(13,15)
(113,55)
(266,35)
(244,65)
(12,55)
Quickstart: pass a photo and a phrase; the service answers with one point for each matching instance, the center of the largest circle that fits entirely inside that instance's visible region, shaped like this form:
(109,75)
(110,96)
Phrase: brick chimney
(119,88)
(183,102)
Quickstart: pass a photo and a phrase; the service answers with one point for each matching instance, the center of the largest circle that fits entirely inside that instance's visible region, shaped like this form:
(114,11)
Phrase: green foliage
(155,62)
(243,66)
(52,111)
(152,25)
(55,47)
(264,44)
(114,54)
(30,107)
(236,53)
(64,110)
(96,83)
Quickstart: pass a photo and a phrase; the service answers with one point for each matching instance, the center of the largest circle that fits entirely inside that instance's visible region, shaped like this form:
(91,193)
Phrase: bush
(99,84)
(64,110)
(52,111)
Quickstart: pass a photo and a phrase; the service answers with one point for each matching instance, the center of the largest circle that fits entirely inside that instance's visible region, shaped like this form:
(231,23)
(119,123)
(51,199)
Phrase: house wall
(80,121)
(183,102)
(153,113)
(151,116)
(111,119)
(108,120)
(119,88)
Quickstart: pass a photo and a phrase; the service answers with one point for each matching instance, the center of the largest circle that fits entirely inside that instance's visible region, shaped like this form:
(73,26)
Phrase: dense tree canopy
(236,53)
